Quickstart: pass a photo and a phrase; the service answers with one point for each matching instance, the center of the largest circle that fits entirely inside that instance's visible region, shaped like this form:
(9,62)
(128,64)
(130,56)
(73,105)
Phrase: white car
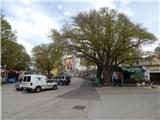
(18,84)
(37,83)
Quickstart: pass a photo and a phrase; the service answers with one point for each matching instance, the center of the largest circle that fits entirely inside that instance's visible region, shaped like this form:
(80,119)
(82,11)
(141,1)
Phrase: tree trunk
(49,74)
(107,73)
(99,71)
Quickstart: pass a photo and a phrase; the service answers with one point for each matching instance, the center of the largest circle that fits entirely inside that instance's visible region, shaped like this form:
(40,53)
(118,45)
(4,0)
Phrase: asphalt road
(81,101)
(85,92)
(21,104)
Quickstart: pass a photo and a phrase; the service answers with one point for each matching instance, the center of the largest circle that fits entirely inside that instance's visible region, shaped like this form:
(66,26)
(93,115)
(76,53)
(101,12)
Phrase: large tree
(6,30)
(106,37)
(13,55)
(157,51)
(47,56)
(86,62)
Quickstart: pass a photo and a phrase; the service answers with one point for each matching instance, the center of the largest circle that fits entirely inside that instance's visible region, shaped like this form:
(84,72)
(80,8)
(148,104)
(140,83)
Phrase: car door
(40,82)
(56,79)
(26,81)
(49,84)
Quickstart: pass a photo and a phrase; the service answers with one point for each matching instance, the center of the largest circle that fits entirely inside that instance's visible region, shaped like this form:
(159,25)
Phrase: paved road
(104,103)
(85,96)
(23,105)
(85,92)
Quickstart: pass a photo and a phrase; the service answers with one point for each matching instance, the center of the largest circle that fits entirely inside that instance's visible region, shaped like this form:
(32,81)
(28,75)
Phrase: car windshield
(50,81)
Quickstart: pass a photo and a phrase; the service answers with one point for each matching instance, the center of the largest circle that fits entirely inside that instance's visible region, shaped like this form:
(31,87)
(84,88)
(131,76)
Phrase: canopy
(131,69)
(137,71)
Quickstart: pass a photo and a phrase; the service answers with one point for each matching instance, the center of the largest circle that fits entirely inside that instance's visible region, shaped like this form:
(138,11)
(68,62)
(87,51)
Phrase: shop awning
(131,69)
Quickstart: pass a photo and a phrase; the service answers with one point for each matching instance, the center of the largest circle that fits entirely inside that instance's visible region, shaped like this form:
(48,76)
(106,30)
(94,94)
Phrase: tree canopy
(6,30)
(106,37)
(157,51)
(13,55)
(47,56)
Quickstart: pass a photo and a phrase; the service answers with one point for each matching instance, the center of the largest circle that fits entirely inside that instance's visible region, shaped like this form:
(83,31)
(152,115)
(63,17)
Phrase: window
(38,78)
(29,79)
(20,80)
(68,67)
(25,79)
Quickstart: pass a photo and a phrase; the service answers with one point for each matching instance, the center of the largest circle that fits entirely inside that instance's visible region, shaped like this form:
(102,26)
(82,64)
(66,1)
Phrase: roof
(33,75)
(68,58)
(3,70)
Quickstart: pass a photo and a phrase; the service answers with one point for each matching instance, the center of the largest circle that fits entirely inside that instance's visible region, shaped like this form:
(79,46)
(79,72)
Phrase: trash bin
(97,81)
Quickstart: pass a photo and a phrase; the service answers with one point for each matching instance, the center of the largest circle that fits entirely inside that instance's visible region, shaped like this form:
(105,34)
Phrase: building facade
(69,63)
(152,68)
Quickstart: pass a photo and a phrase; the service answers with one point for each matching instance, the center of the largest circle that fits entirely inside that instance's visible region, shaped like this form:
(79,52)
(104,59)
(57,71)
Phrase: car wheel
(28,90)
(17,89)
(55,87)
(37,89)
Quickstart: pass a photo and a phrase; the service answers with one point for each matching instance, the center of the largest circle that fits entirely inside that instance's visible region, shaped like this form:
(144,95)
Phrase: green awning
(131,69)
(137,71)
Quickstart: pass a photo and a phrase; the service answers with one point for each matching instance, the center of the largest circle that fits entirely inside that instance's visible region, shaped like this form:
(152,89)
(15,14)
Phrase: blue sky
(33,19)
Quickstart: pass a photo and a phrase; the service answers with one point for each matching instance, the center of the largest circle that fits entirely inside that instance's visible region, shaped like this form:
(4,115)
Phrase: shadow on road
(85,92)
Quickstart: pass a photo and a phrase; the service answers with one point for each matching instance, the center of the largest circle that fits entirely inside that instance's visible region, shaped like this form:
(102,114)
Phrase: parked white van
(37,83)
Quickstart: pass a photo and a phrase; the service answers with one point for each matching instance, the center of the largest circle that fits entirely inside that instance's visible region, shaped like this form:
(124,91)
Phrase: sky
(33,19)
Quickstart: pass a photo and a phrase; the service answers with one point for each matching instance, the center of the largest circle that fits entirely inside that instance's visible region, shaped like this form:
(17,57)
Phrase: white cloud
(59,7)
(42,24)
(96,4)
(104,3)
(26,1)
(67,13)
(31,22)
(27,45)
(126,2)
(92,4)
(124,8)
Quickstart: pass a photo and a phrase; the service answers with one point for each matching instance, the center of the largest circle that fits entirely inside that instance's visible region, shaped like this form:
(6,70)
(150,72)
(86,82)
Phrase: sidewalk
(127,103)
